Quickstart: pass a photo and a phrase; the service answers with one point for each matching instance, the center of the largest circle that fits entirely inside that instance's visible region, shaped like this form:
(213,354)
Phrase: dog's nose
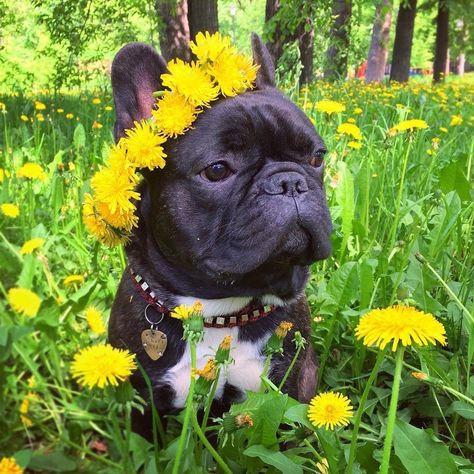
(287,183)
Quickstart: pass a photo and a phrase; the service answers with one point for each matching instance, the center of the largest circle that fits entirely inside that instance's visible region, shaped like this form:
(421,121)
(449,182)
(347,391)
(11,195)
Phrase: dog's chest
(244,372)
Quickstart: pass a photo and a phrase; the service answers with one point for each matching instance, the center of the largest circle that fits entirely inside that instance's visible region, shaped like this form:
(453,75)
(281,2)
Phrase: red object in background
(361,70)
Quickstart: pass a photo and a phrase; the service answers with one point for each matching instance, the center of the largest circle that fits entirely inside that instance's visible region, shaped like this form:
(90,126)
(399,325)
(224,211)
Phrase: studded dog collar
(249,314)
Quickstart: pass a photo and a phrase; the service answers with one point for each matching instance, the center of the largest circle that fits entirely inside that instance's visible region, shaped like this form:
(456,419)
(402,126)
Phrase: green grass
(403,219)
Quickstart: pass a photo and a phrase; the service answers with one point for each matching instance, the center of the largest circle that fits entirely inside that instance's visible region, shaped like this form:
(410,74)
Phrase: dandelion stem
(265,372)
(392,413)
(188,410)
(208,445)
(360,410)
(210,399)
(290,368)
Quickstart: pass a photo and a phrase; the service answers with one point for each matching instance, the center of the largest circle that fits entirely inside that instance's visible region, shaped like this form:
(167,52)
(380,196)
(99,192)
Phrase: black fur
(254,233)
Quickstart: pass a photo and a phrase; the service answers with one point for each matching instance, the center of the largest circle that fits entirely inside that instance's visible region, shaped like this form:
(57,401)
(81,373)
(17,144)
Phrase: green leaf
(419,452)
(274,458)
(49,313)
(79,138)
(463,409)
(342,286)
(453,178)
(345,199)
(298,414)
(52,462)
(366,279)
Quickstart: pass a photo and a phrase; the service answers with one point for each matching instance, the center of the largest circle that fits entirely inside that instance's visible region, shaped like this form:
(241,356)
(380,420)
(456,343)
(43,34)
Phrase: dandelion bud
(223,352)
(232,423)
(419,376)
(282,330)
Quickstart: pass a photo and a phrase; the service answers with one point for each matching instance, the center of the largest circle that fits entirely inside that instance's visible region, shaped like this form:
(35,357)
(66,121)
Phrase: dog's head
(240,203)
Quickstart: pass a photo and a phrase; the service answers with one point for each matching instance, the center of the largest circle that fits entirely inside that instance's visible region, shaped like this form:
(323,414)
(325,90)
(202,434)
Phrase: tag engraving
(154,343)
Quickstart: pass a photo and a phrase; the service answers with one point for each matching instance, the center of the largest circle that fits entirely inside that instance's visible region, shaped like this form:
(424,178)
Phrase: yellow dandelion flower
(174,115)
(24,301)
(73,279)
(10,210)
(330,107)
(96,125)
(94,320)
(40,117)
(32,171)
(24,118)
(96,101)
(125,220)
(115,185)
(282,329)
(60,111)
(323,466)
(69,116)
(108,108)
(443,129)
(413,124)
(233,72)
(355,145)
(98,227)
(2,175)
(182,312)
(350,129)
(102,365)
(25,408)
(207,47)
(31,245)
(143,146)
(209,372)
(455,120)
(39,105)
(10,466)
(358,111)
(400,323)
(190,81)
(330,409)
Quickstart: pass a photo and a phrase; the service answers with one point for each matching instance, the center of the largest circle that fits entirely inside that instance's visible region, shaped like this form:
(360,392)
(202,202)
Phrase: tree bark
(442,42)
(275,45)
(174,29)
(400,70)
(339,40)
(460,64)
(378,51)
(202,16)
(306,46)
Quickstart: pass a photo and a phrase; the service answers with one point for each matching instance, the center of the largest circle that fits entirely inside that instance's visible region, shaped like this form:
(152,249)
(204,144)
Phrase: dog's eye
(317,158)
(216,172)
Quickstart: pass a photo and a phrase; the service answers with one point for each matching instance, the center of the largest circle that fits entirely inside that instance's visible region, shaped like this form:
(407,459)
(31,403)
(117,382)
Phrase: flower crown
(220,70)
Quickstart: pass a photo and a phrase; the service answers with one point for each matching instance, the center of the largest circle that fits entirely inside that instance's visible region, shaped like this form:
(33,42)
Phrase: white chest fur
(243,373)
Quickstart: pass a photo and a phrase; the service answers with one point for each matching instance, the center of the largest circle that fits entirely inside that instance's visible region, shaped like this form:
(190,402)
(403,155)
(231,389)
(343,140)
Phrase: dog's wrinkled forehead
(260,118)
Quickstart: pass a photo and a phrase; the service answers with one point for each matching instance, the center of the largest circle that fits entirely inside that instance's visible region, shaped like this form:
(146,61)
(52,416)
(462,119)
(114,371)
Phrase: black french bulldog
(233,220)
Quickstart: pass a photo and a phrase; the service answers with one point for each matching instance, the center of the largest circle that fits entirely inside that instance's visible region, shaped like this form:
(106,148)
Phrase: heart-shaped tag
(154,343)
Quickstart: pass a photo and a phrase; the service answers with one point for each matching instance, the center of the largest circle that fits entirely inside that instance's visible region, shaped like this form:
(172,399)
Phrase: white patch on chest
(243,373)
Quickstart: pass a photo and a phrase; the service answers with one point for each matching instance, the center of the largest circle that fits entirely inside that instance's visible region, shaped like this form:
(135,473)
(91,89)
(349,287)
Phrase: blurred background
(55,44)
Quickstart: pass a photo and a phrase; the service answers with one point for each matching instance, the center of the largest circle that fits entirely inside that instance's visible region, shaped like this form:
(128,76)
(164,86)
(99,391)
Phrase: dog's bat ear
(136,72)
(261,56)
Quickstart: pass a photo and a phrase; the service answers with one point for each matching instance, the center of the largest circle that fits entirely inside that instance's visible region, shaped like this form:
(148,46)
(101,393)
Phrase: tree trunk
(460,64)
(202,16)
(275,45)
(174,29)
(306,46)
(400,70)
(339,40)
(442,42)
(378,51)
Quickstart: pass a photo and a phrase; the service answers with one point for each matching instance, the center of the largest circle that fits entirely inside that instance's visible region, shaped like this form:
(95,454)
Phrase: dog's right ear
(136,72)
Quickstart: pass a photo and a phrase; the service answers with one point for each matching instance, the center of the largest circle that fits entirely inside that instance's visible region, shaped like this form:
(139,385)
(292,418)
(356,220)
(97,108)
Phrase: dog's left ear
(136,72)
(261,56)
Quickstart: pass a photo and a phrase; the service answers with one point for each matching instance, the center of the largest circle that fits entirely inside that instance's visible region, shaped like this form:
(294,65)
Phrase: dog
(234,220)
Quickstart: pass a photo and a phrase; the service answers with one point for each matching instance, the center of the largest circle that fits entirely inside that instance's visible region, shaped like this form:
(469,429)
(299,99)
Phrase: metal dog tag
(154,342)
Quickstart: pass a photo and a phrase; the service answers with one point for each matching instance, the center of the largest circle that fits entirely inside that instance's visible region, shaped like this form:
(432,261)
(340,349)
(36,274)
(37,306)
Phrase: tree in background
(378,52)
(202,16)
(442,42)
(337,52)
(401,55)
(287,23)
(173,29)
